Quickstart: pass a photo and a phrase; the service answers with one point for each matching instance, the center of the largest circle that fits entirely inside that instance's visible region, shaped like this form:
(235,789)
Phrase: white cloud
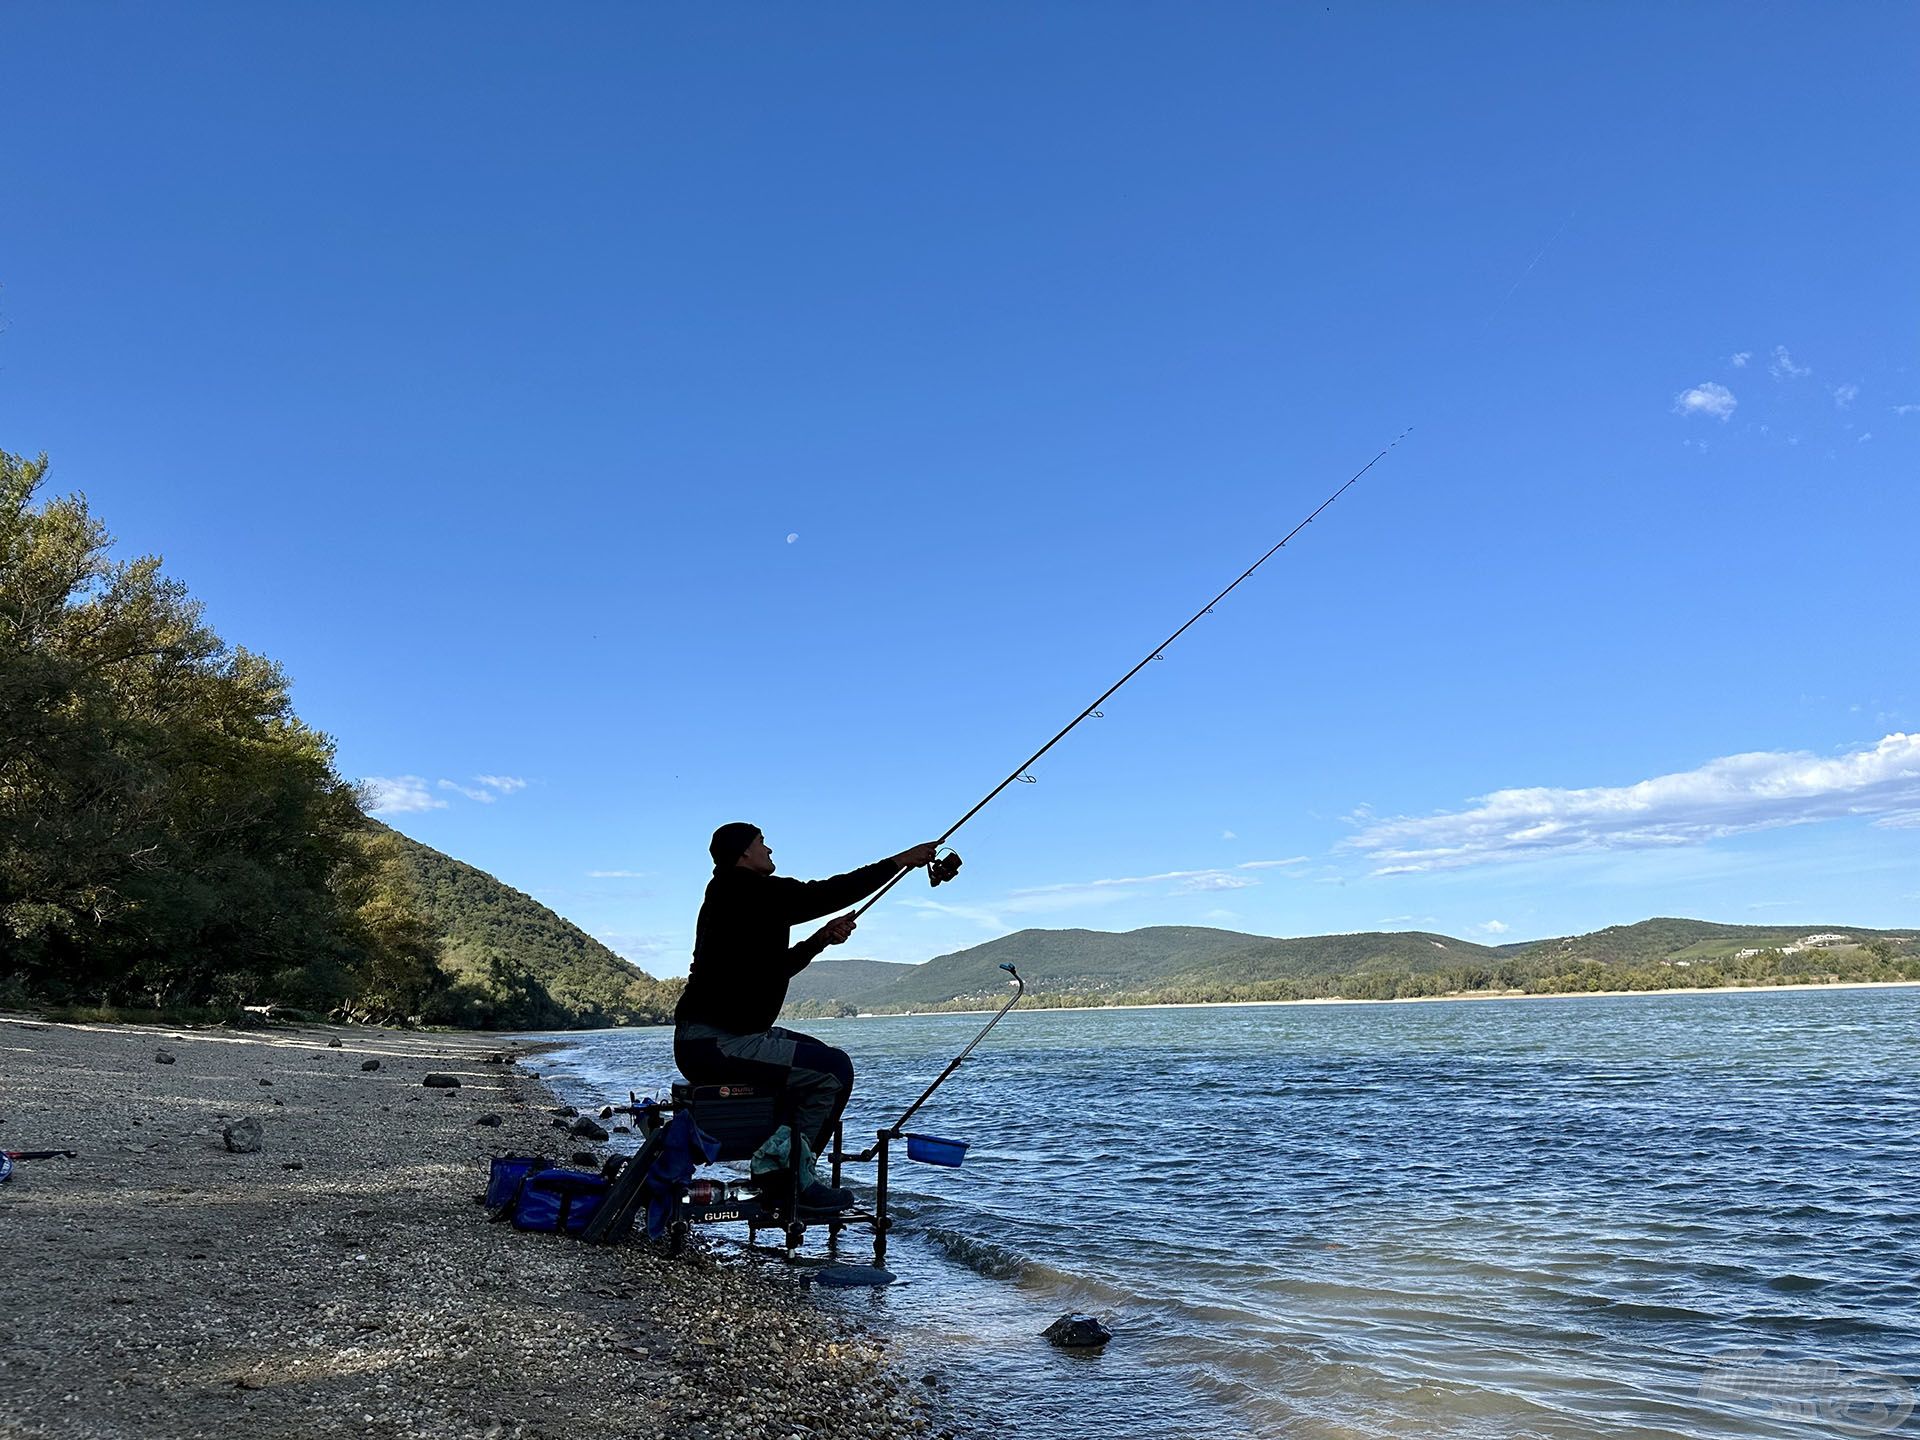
(1845,395)
(979,915)
(1228,835)
(1271,864)
(398,795)
(1111,890)
(1739,361)
(1904,409)
(1221,915)
(1729,796)
(618,874)
(1864,438)
(1214,880)
(505,784)
(485,797)
(1706,399)
(1781,367)
(1493,927)
(634,948)
(1905,820)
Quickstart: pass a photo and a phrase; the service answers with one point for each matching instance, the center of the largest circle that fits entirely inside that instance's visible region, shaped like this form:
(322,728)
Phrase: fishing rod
(947,866)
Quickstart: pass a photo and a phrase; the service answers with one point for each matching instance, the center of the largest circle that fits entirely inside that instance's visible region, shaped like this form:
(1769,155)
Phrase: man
(742,961)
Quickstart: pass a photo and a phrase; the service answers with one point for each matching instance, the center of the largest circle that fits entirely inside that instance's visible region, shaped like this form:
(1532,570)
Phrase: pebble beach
(342,1280)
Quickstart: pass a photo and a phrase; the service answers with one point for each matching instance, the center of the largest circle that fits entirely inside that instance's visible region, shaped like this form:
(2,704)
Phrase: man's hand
(835,931)
(916,857)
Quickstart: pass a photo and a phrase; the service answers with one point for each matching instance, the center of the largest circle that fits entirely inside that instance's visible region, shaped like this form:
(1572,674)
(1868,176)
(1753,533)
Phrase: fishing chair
(741,1115)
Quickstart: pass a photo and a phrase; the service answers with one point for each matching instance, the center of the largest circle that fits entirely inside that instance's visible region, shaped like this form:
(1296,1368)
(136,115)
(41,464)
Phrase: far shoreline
(1404,999)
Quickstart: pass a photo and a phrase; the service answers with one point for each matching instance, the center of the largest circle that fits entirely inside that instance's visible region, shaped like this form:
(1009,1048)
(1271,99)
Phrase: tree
(170,831)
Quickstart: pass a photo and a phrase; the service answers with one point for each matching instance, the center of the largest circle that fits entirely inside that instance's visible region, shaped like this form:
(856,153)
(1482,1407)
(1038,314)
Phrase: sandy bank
(342,1282)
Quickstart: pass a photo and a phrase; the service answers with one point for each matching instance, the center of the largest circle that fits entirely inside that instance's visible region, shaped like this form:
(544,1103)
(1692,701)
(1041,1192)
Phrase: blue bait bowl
(932,1150)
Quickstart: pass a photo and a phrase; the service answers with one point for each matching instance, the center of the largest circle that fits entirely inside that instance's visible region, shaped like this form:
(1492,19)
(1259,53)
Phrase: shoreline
(341,1281)
(1472,996)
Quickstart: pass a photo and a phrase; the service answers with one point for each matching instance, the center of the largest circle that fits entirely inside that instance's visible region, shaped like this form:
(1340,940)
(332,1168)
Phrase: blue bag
(559,1201)
(505,1176)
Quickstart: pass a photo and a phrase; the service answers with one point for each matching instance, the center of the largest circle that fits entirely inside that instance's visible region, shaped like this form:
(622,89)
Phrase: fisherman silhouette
(723,1027)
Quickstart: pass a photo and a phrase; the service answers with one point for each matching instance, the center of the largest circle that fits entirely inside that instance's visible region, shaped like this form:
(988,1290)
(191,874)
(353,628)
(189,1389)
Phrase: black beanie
(730,842)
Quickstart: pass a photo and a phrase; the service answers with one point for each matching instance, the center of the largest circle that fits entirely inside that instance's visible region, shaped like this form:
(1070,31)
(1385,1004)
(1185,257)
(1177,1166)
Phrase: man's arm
(834,932)
(804,900)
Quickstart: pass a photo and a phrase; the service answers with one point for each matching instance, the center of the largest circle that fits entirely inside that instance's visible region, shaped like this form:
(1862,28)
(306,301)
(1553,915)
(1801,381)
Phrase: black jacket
(741,959)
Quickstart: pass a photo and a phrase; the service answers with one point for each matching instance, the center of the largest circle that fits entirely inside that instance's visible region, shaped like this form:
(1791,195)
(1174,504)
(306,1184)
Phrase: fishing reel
(943,868)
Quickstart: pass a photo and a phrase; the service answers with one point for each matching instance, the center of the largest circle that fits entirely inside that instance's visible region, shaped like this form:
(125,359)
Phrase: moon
(793,537)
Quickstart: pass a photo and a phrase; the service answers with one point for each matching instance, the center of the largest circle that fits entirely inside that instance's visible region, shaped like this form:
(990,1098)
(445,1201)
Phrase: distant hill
(830,981)
(1668,940)
(517,965)
(1082,961)
(1168,964)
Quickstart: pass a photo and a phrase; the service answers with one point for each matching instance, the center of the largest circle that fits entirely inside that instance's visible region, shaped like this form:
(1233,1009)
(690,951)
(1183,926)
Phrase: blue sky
(622,419)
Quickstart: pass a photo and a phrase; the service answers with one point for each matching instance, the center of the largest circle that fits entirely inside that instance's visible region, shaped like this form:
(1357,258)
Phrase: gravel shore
(342,1281)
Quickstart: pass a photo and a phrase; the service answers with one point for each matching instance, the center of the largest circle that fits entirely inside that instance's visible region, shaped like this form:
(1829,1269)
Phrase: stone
(369,1064)
(442,1082)
(1077,1332)
(587,1129)
(163,1057)
(334,1043)
(586,1159)
(242,1137)
(266,1082)
(293,1165)
(489,1120)
(567,1110)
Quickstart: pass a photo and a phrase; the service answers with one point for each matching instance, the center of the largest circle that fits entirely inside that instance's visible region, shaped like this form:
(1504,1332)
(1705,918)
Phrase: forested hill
(830,979)
(1174,964)
(515,964)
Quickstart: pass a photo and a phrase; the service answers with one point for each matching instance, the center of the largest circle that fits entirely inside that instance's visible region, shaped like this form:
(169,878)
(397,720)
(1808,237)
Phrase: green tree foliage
(171,833)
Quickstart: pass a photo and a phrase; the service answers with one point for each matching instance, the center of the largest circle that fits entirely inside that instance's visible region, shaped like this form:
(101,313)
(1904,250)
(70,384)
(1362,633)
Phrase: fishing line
(946,867)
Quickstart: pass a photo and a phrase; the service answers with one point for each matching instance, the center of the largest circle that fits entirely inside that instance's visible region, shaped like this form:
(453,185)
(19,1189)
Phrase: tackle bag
(559,1201)
(505,1176)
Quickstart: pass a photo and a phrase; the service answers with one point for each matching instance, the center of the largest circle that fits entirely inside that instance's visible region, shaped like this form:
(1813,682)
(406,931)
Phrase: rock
(1077,1332)
(369,1064)
(494,1060)
(567,1110)
(606,1112)
(266,1082)
(293,1165)
(334,1043)
(586,1159)
(242,1136)
(163,1057)
(442,1082)
(489,1119)
(587,1129)
(278,1101)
